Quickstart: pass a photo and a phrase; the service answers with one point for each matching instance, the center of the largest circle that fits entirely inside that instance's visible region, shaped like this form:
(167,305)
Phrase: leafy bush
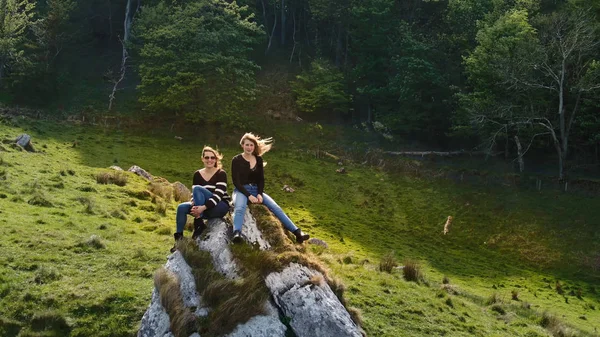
(388,262)
(321,88)
(412,271)
(118,178)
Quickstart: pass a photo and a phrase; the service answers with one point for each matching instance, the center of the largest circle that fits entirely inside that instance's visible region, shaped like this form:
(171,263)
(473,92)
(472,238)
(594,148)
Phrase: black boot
(178,237)
(237,237)
(199,227)
(300,236)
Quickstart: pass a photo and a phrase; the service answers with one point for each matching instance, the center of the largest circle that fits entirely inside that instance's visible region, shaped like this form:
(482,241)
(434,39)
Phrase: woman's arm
(196,180)
(220,190)
(261,174)
(237,171)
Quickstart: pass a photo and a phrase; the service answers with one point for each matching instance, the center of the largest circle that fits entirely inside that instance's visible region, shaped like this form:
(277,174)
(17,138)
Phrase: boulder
(24,141)
(313,309)
(140,172)
(180,192)
(155,321)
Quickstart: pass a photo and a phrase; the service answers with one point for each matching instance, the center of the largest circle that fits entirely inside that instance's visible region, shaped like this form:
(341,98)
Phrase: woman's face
(248,146)
(209,159)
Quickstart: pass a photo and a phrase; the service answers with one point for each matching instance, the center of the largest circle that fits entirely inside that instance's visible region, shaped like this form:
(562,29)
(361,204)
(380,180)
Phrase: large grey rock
(261,326)
(24,141)
(141,172)
(251,232)
(216,242)
(187,284)
(313,309)
(155,321)
(181,192)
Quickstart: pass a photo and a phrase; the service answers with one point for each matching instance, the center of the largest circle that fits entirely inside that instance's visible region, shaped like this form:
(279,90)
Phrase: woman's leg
(200,195)
(239,209)
(181,218)
(278,212)
(219,211)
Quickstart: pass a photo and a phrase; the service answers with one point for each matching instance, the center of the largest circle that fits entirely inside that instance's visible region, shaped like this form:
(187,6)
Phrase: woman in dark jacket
(249,181)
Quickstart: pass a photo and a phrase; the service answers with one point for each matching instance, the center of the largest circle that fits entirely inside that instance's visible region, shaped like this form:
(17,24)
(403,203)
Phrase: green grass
(77,256)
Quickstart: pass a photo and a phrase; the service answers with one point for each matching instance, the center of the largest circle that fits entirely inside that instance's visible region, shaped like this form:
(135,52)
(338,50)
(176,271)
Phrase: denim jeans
(241,201)
(200,196)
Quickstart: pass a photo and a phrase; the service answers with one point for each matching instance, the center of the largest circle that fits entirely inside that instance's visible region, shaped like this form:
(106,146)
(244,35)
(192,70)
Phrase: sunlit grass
(85,247)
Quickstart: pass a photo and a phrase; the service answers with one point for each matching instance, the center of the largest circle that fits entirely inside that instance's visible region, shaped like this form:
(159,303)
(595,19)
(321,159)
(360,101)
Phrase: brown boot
(178,237)
(300,236)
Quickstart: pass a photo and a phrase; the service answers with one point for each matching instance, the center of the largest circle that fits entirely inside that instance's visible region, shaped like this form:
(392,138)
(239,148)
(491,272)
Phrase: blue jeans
(241,201)
(200,196)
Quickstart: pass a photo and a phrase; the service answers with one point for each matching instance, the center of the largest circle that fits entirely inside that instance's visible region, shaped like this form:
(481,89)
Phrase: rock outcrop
(310,308)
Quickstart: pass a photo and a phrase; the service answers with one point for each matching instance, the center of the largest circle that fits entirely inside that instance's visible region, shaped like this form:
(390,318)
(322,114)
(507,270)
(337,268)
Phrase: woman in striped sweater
(209,195)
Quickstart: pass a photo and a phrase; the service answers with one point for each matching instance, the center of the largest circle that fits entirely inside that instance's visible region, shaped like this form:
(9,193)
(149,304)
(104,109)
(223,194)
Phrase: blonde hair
(217,154)
(261,146)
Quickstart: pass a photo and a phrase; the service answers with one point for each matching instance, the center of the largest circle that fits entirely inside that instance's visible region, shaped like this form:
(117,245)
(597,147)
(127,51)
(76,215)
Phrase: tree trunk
(272,34)
(338,46)
(127,22)
(369,116)
(294,37)
(520,153)
(560,159)
(110,27)
(282,23)
(125,55)
(1,72)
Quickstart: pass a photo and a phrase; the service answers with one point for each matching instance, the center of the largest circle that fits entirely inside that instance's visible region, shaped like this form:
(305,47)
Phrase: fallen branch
(434,153)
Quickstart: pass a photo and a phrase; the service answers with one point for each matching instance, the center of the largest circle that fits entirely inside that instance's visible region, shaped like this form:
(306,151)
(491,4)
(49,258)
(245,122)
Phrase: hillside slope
(77,256)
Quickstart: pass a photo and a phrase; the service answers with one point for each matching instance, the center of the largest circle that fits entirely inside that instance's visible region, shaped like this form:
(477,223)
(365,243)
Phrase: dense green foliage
(492,75)
(194,59)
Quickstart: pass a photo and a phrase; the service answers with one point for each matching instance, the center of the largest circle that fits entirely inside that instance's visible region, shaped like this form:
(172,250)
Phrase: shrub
(161,207)
(498,308)
(445,280)
(51,321)
(95,242)
(39,199)
(388,262)
(514,295)
(493,299)
(163,190)
(356,315)
(118,214)
(118,178)
(86,189)
(45,275)
(163,230)
(412,271)
(183,322)
(559,288)
(88,204)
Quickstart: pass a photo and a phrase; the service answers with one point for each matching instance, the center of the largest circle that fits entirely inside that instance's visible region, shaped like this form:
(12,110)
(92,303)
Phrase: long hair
(217,154)
(261,146)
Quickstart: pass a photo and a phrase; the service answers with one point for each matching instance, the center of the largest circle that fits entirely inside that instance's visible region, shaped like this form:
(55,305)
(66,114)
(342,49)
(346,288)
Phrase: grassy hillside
(77,257)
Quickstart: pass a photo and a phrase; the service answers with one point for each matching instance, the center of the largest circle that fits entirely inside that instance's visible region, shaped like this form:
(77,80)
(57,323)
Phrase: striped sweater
(217,184)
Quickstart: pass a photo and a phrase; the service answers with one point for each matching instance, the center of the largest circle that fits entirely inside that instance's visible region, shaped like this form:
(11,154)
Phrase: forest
(518,79)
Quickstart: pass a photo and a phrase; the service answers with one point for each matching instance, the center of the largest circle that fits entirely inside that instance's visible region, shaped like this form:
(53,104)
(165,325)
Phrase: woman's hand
(253,199)
(260,198)
(197,211)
